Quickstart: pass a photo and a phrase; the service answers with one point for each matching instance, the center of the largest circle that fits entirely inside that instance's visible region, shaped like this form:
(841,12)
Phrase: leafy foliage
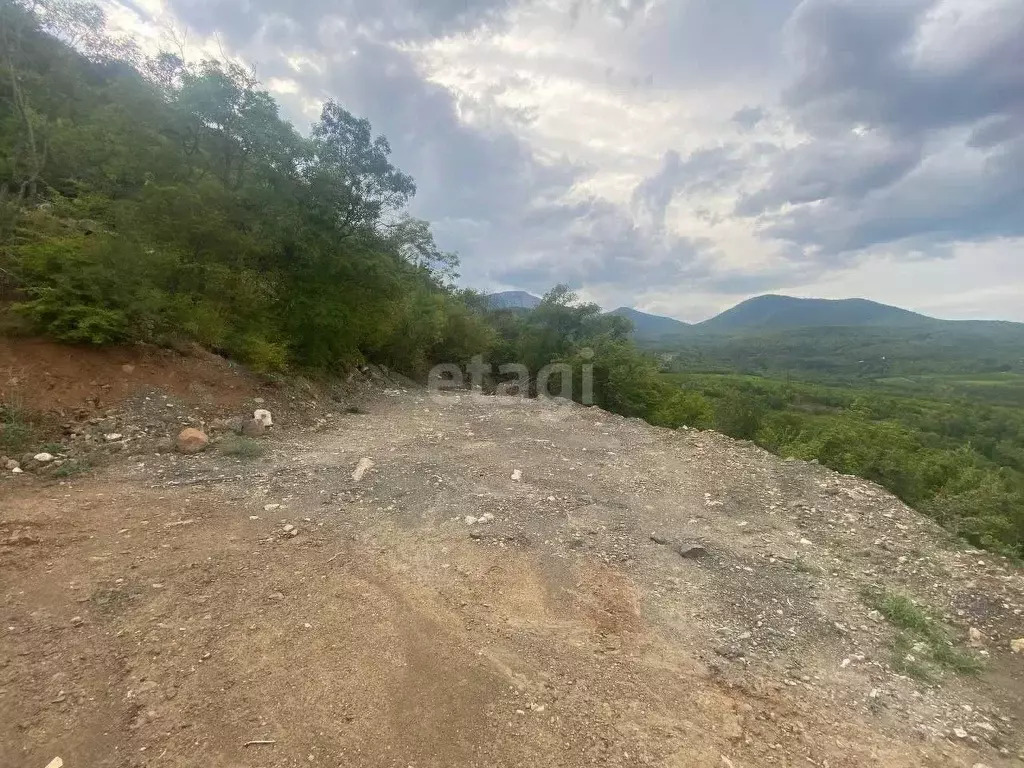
(150,199)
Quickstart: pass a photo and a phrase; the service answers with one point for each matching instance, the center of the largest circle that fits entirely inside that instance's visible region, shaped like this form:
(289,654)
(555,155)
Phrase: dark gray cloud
(705,170)
(914,123)
(878,63)
(749,117)
(595,243)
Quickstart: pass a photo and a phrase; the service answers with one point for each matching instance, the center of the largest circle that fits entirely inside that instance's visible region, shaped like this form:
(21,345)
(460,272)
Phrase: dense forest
(152,199)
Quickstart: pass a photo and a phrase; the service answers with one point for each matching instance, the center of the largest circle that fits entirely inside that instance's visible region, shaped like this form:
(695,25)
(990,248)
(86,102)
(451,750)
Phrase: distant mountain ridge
(772,312)
(513,300)
(651,326)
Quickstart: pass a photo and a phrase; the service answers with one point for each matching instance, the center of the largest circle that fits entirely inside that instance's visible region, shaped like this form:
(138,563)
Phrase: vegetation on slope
(149,199)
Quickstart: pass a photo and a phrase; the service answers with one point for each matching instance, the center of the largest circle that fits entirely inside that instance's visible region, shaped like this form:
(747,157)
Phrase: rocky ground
(474,581)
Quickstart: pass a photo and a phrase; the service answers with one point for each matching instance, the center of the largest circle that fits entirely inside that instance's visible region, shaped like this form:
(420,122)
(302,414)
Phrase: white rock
(486,517)
(806,543)
(113,437)
(17,470)
(517,475)
(976,638)
(960,733)
(289,528)
(1017,646)
(362,468)
(262,415)
(43,458)
(470,520)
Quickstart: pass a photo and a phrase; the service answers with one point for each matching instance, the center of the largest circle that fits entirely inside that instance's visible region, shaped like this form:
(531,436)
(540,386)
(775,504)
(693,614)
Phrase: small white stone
(113,437)
(364,466)
(470,520)
(43,458)
(517,475)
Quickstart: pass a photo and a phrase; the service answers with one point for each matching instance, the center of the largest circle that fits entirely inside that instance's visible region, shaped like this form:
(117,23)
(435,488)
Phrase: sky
(676,156)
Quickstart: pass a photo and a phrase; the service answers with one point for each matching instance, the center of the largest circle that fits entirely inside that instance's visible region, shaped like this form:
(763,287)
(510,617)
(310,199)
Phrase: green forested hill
(773,312)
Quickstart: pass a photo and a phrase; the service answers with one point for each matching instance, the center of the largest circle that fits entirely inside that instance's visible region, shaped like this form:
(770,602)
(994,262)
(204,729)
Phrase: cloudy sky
(675,155)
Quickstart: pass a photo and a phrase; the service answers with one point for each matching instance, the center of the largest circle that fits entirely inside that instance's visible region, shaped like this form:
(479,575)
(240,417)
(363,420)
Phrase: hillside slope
(638,596)
(647,326)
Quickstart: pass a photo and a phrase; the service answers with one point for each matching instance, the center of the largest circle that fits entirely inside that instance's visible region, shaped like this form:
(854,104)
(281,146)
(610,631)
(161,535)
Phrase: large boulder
(192,441)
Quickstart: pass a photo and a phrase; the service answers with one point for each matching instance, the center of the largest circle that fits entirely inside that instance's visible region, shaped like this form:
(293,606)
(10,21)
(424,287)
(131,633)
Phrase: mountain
(777,312)
(647,326)
(513,300)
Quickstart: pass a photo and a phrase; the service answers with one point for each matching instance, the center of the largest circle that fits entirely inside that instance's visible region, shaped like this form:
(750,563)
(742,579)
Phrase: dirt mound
(510,583)
(47,377)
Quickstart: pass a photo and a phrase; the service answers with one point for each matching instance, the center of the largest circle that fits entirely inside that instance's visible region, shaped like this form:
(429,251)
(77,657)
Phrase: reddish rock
(192,441)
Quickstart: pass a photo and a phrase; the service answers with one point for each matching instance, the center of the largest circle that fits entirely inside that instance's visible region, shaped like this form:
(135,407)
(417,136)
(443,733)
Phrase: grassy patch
(16,431)
(243,447)
(71,468)
(923,645)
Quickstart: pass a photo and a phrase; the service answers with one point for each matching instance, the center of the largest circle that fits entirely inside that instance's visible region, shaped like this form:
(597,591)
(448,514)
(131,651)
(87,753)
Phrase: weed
(922,641)
(71,468)
(51,448)
(243,447)
(16,430)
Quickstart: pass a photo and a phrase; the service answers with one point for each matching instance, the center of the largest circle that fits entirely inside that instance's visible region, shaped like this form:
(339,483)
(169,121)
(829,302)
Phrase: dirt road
(635,597)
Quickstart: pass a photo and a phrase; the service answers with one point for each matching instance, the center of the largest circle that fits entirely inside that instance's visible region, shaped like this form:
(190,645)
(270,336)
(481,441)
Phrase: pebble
(364,466)
(691,552)
(1017,646)
(77,621)
(43,458)
(517,475)
(113,437)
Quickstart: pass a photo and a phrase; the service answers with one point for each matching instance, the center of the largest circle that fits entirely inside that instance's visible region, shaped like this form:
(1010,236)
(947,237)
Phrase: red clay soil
(44,376)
